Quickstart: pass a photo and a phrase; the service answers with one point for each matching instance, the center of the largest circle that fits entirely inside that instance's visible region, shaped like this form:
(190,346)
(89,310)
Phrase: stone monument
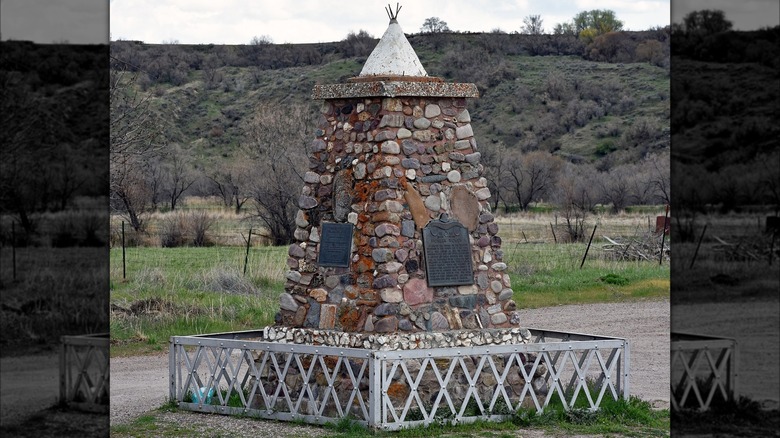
(394,232)
(398,308)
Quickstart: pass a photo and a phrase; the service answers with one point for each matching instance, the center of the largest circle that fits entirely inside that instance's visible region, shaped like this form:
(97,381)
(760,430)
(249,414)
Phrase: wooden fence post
(124,262)
(588,248)
(663,236)
(246,256)
(696,252)
(13,248)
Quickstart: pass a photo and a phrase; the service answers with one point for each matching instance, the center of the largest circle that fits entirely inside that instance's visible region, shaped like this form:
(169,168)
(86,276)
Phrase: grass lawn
(53,292)
(631,417)
(181,291)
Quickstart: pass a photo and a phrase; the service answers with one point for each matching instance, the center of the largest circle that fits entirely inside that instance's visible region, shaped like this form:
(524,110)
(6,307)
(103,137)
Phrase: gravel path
(29,384)
(140,384)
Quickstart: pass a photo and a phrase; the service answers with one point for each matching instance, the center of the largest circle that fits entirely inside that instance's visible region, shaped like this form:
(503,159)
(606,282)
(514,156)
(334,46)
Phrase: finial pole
(393,16)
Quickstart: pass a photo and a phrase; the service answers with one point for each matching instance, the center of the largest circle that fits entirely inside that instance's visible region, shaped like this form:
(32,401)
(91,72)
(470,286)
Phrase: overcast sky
(47,21)
(311,21)
(744,14)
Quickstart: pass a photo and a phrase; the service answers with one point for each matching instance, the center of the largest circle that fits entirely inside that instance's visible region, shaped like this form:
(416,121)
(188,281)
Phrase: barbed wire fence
(243,246)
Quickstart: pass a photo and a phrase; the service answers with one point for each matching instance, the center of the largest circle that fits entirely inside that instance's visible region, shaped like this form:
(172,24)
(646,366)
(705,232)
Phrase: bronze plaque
(447,253)
(335,245)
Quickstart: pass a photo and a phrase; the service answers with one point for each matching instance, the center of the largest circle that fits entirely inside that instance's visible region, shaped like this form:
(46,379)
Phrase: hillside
(582,110)
(569,122)
(54,136)
(726,95)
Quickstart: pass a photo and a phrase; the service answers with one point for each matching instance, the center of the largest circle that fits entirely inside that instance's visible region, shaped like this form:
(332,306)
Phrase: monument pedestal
(398,309)
(384,169)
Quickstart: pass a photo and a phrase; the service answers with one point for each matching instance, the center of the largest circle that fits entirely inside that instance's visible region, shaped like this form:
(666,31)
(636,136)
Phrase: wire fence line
(266,263)
(243,250)
(557,230)
(511,229)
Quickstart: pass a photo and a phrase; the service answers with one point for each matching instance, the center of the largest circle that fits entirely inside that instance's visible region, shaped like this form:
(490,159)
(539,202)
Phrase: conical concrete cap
(393,56)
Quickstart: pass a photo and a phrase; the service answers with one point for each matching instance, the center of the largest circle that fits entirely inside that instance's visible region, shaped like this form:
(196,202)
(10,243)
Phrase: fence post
(13,248)
(663,236)
(124,264)
(696,252)
(625,370)
(246,256)
(172,360)
(63,372)
(553,233)
(374,391)
(588,248)
(734,371)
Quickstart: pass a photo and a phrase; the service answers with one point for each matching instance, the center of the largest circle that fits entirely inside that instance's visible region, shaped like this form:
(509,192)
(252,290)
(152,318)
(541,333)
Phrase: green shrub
(605,148)
(615,279)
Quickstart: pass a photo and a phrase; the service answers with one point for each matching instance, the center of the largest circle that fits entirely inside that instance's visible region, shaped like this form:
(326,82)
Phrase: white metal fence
(84,364)
(703,370)
(238,373)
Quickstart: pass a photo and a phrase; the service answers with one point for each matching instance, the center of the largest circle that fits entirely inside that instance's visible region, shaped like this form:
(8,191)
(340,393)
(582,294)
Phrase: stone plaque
(335,244)
(447,253)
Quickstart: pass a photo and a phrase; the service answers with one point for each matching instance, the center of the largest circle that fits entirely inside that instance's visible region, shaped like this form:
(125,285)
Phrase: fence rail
(238,373)
(84,367)
(703,369)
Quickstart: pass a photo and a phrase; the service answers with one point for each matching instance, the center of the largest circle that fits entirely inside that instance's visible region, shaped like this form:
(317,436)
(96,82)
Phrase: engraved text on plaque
(447,254)
(335,245)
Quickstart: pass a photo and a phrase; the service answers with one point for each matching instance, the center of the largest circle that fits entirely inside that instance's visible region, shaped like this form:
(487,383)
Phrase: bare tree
(153,171)
(358,44)
(178,176)
(691,193)
(535,40)
(69,178)
(660,178)
(130,193)
(275,142)
(706,22)
(494,158)
(135,138)
(27,123)
(262,40)
(564,29)
(575,197)
(642,190)
(615,187)
(532,25)
(212,76)
(434,25)
(231,183)
(770,178)
(532,175)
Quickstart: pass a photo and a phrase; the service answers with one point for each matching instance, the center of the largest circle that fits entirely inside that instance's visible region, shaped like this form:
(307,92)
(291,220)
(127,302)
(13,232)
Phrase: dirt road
(140,384)
(29,384)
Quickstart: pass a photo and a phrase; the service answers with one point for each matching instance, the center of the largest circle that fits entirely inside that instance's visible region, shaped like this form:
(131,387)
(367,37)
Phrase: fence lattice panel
(703,370)
(238,373)
(84,368)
